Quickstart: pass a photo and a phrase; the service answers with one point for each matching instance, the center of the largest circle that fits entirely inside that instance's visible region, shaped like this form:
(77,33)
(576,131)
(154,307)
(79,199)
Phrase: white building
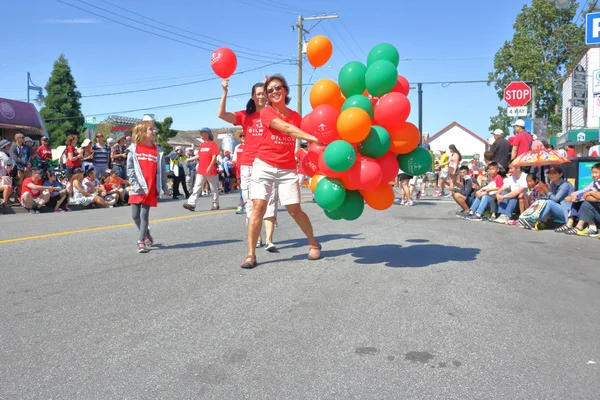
(467,143)
(581,101)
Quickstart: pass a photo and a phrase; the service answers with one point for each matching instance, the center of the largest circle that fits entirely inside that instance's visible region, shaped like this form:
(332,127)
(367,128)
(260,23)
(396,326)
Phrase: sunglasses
(274,89)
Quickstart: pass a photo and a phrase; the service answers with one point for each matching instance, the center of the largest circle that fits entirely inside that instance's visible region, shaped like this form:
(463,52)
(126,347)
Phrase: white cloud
(72,21)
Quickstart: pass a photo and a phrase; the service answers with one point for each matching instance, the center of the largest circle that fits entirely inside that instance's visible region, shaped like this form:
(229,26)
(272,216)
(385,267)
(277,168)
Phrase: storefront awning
(20,115)
(575,136)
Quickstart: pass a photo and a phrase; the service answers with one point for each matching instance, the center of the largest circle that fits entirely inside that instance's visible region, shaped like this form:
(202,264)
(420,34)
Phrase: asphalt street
(408,303)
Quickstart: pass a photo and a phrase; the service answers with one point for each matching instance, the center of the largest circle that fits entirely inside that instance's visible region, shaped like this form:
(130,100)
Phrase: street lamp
(32,86)
(562,4)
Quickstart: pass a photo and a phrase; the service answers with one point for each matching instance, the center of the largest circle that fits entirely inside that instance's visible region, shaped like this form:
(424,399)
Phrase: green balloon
(330,193)
(339,156)
(333,214)
(376,144)
(360,101)
(353,206)
(384,51)
(381,77)
(352,78)
(415,163)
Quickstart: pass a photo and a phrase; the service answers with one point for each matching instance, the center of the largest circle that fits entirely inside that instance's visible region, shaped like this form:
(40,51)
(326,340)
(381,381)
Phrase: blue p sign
(592,29)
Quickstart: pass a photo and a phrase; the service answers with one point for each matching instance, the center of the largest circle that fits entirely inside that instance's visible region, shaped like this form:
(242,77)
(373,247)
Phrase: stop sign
(517,94)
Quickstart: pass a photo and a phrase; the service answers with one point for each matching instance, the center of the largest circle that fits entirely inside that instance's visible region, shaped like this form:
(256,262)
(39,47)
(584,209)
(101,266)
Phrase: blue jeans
(556,211)
(507,206)
(590,212)
(480,204)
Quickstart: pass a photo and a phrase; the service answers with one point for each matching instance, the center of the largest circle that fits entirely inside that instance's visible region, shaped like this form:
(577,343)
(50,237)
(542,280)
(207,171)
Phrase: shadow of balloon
(397,256)
(195,245)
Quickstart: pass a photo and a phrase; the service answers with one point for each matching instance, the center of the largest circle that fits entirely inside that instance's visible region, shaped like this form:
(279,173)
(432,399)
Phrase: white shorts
(245,185)
(266,179)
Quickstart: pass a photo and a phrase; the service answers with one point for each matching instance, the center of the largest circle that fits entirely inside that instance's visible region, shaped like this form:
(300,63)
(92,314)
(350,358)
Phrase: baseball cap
(427,146)
(110,140)
(499,132)
(4,143)
(178,148)
(555,168)
(520,123)
(206,130)
(99,134)
(28,139)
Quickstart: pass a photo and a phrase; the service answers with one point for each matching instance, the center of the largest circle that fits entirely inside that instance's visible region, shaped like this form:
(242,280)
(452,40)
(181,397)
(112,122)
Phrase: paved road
(407,303)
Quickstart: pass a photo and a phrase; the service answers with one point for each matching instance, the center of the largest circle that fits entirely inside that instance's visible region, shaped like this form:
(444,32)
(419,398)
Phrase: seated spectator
(553,206)
(486,196)
(531,194)
(83,197)
(508,195)
(92,184)
(576,199)
(463,195)
(58,200)
(114,184)
(34,194)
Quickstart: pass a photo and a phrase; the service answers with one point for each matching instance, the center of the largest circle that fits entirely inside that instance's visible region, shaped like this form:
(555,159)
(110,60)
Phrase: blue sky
(438,40)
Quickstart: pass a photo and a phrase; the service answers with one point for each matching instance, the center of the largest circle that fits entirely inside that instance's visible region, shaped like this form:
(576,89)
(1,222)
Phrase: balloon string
(311,76)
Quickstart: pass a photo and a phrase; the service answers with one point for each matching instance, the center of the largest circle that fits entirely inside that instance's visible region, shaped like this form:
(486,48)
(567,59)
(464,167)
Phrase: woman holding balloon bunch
(275,167)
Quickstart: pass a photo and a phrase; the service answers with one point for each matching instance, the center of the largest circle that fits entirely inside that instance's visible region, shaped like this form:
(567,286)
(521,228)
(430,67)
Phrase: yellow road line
(102,228)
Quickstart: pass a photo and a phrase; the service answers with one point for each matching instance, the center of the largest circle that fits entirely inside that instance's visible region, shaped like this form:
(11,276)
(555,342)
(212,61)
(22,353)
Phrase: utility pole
(301,31)
(420,92)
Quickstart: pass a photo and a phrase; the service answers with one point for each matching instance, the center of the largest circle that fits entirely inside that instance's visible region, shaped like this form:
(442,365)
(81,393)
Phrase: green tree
(546,44)
(164,133)
(62,109)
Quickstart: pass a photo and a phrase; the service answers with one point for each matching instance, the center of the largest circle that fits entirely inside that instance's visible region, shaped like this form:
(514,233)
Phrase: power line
(187,103)
(168,31)
(346,43)
(191,32)
(264,7)
(178,84)
(337,47)
(271,3)
(147,31)
(352,36)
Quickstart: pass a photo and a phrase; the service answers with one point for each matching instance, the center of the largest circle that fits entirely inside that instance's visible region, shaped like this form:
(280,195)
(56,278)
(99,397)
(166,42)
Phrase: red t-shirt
(113,183)
(498,180)
(76,163)
(571,152)
(253,130)
(45,153)
(277,148)
(240,153)
(25,188)
(300,154)
(206,151)
(147,156)
(524,141)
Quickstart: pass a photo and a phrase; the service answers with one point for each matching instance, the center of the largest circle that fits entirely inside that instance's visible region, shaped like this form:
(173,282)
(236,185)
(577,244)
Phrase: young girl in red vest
(146,172)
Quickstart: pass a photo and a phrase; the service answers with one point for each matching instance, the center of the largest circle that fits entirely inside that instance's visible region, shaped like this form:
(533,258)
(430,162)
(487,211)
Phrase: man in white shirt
(508,194)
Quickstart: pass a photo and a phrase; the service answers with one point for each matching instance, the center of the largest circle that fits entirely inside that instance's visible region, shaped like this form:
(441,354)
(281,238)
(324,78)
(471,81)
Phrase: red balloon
(305,125)
(314,151)
(391,111)
(323,120)
(224,62)
(325,170)
(309,168)
(402,86)
(389,167)
(366,173)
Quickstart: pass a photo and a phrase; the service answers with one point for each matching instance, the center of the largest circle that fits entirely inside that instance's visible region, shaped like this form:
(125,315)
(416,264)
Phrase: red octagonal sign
(517,94)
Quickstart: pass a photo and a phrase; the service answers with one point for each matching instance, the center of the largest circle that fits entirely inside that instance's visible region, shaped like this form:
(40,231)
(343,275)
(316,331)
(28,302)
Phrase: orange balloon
(380,198)
(319,51)
(404,139)
(346,181)
(354,124)
(340,103)
(325,91)
(315,180)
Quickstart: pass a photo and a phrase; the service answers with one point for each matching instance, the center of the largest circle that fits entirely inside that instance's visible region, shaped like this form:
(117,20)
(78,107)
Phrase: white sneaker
(502,219)
(270,247)
(410,203)
(402,202)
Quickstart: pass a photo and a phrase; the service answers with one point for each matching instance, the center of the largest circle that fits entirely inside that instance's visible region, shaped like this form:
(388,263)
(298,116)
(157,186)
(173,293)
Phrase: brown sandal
(314,252)
(249,262)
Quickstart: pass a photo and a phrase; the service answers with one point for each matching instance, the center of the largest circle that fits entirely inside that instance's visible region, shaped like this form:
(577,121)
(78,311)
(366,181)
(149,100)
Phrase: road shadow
(296,243)
(397,256)
(207,243)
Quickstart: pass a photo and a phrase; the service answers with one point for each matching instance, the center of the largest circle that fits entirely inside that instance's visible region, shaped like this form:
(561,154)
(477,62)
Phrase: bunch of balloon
(361,122)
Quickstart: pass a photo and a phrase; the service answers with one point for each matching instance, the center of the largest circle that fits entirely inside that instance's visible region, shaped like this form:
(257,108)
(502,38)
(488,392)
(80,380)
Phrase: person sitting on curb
(33,194)
(508,195)
(462,197)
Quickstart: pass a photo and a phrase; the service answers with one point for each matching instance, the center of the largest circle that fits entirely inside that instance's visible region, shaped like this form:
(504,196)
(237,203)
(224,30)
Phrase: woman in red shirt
(73,157)
(275,167)
(206,170)
(253,132)
(147,174)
